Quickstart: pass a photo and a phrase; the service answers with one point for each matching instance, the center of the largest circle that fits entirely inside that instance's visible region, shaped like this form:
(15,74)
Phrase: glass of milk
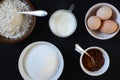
(62,23)
(41,61)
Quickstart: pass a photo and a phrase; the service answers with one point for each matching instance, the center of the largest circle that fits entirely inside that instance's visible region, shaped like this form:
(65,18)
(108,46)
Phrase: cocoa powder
(98,57)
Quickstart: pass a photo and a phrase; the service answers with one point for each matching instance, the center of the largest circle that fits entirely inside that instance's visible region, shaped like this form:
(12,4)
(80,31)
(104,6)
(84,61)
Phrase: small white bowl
(116,17)
(41,61)
(103,69)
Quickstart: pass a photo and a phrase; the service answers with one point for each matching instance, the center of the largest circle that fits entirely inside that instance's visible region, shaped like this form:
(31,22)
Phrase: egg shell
(94,22)
(104,13)
(108,26)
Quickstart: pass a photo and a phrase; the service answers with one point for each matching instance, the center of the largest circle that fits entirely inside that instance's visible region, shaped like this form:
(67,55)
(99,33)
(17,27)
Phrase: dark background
(9,54)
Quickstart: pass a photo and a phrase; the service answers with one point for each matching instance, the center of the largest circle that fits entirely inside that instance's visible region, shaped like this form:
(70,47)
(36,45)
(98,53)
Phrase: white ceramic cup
(115,16)
(41,61)
(103,69)
(62,23)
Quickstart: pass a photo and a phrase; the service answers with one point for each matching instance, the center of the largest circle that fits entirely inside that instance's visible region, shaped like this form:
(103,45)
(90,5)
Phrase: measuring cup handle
(71,7)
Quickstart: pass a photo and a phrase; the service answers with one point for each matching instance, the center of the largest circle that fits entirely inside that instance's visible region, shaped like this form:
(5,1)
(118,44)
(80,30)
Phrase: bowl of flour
(15,27)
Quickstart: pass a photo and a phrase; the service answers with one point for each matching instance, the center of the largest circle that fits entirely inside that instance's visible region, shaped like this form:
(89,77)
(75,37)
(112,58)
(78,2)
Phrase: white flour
(12,24)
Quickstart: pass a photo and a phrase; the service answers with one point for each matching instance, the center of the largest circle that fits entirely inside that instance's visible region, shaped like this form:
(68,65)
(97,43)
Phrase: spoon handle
(39,13)
(79,49)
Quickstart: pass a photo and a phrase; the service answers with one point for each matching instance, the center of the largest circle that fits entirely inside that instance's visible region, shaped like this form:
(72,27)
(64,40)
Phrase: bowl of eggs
(102,21)
(15,27)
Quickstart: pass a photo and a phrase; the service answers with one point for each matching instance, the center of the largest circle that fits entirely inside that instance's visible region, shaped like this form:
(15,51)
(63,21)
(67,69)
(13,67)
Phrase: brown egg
(108,26)
(94,22)
(104,13)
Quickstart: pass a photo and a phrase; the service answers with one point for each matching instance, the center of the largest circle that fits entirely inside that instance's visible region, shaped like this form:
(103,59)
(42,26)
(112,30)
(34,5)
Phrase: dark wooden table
(9,54)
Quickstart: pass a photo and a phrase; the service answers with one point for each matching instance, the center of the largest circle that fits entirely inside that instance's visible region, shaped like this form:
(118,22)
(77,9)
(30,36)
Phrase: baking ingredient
(104,13)
(108,26)
(94,22)
(98,57)
(42,62)
(12,24)
(62,23)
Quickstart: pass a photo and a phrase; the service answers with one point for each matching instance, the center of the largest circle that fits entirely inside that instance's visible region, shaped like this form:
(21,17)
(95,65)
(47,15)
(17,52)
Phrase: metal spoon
(82,51)
(40,13)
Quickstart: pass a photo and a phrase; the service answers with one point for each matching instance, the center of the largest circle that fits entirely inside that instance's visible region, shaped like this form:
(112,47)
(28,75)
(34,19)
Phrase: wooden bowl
(27,33)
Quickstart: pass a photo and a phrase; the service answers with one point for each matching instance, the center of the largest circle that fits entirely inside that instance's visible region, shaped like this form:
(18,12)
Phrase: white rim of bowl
(24,53)
(103,69)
